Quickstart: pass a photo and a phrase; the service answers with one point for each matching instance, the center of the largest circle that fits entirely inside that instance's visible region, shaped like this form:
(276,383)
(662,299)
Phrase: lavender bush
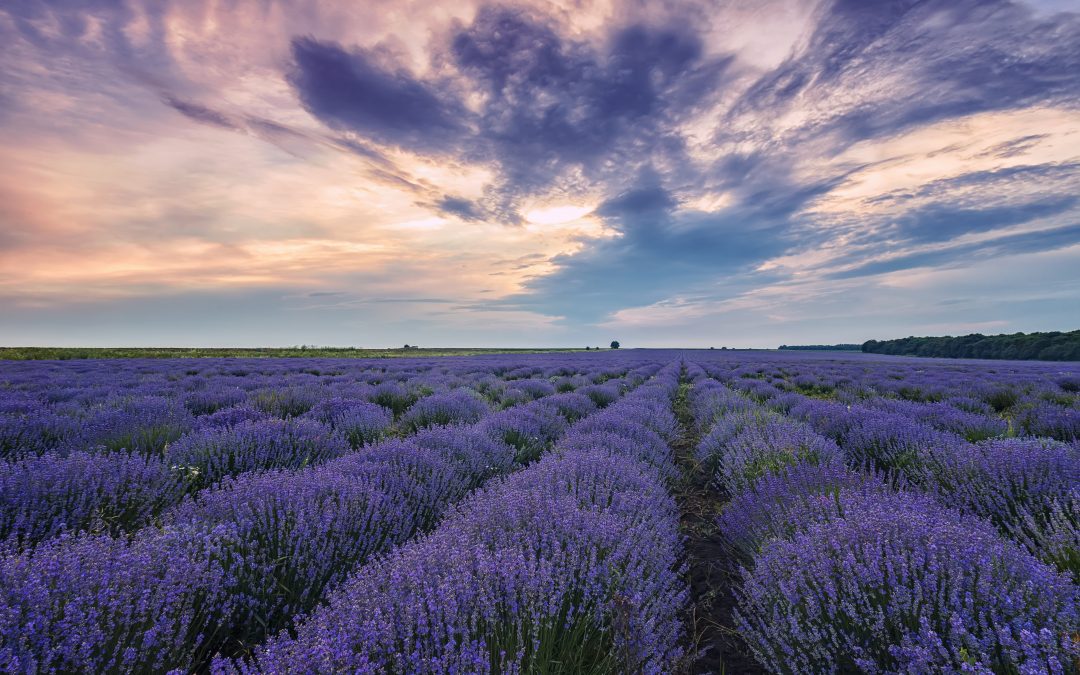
(112,492)
(570,562)
(207,455)
(513,513)
(898,583)
(458,407)
(1025,486)
(358,422)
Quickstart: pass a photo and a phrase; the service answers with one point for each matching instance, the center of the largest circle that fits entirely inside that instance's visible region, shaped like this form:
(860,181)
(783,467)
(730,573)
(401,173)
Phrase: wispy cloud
(784,165)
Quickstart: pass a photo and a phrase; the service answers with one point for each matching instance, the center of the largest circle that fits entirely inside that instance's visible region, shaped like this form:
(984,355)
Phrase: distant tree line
(1052,346)
(823,348)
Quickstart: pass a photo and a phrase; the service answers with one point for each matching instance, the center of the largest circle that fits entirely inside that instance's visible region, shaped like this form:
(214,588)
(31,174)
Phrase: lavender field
(617,512)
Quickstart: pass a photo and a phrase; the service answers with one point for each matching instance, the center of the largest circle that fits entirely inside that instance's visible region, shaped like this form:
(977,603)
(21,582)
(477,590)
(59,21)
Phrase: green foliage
(1052,346)
(614,344)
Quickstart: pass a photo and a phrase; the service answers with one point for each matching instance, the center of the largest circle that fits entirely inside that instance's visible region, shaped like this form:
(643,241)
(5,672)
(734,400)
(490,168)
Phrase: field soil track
(711,573)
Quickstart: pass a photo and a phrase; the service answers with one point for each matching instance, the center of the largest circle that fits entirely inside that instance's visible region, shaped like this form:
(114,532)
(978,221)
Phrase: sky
(724,173)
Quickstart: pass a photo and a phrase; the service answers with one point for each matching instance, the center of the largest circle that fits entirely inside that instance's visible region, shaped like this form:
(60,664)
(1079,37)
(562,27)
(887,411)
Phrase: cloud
(942,222)
(553,103)
(199,113)
(549,106)
(1015,147)
(940,53)
(964,254)
(863,142)
(460,208)
(354,91)
(660,250)
(1051,178)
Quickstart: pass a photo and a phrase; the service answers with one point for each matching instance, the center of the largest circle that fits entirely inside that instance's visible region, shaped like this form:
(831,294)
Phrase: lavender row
(843,573)
(1029,487)
(114,491)
(239,561)
(144,411)
(569,565)
(966,398)
(895,582)
(999,384)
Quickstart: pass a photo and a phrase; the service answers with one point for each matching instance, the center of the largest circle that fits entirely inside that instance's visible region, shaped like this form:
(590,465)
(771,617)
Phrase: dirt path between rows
(711,574)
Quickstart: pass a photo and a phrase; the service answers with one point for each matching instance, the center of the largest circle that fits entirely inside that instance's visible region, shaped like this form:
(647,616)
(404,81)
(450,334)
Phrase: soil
(712,574)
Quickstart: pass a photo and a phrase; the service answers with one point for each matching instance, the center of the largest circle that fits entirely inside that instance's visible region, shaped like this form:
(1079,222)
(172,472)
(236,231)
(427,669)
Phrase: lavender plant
(457,407)
(1024,486)
(897,583)
(41,497)
(207,455)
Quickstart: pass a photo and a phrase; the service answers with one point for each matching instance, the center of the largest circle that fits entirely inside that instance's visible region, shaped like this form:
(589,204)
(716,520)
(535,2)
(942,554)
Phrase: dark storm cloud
(554,103)
(353,91)
(550,104)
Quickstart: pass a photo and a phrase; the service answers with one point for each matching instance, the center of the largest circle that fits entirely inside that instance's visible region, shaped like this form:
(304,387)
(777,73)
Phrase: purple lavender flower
(711,400)
(726,427)
(571,405)
(231,417)
(530,429)
(393,395)
(37,431)
(283,537)
(212,399)
(601,394)
(1054,421)
(900,584)
(778,504)
(571,561)
(533,389)
(43,496)
(644,446)
(513,577)
(1019,484)
(359,422)
(768,445)
(95,604)
(285,402)
(889,441)
(208,455)
(1051,532)
(825,417)
(971,425)
(144,425)
(476,456)
(633,414)
(457,407)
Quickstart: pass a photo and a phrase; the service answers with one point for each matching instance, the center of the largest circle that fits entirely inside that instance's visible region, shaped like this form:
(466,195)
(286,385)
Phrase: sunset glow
(552,171)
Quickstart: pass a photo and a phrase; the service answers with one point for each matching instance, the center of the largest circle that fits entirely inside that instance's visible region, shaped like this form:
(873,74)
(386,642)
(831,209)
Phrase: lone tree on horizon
(614,344)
